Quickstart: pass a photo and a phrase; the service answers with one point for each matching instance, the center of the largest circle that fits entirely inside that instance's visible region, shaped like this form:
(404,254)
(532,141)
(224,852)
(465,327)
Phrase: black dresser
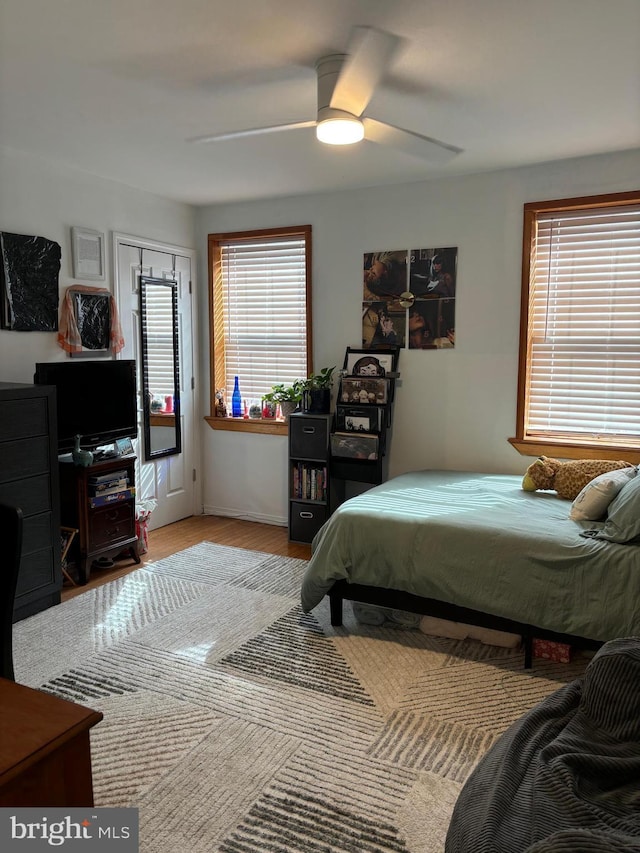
(29,479)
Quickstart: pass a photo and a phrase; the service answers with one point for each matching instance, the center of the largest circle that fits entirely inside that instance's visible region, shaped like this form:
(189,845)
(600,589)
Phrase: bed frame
(398,600)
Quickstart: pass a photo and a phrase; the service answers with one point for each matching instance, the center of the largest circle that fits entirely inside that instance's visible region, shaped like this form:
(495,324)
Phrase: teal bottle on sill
(236,401)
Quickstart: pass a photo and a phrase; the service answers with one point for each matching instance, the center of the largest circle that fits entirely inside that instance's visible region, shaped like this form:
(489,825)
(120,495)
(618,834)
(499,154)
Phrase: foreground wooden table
(45,757)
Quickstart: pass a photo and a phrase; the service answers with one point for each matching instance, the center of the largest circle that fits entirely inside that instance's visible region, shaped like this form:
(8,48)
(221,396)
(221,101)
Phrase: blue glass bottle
(236,401)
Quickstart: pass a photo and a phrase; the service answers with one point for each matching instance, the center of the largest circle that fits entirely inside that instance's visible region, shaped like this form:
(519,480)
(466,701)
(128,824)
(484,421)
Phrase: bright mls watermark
(78,829)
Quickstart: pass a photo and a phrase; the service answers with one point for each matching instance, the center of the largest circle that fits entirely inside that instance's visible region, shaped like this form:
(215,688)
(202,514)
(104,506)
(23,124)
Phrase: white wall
(455,409)
(45,199)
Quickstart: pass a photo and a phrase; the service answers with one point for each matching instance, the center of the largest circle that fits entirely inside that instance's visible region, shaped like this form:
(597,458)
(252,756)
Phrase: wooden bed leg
(335,605)
(527,640)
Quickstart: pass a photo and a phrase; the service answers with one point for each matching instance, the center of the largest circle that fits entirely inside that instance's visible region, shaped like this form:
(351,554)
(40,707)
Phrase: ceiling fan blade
(409,142)
(368,57)
(254,131)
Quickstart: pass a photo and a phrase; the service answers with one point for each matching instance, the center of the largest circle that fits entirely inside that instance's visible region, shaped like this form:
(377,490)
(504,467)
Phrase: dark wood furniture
(103,531)
(11,524)
(309,491)
(45,753)
(29,480)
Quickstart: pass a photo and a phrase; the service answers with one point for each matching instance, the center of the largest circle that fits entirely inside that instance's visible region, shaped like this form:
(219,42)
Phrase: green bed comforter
(479,541)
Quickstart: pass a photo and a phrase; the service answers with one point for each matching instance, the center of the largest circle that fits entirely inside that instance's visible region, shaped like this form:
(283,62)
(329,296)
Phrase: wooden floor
(175,537)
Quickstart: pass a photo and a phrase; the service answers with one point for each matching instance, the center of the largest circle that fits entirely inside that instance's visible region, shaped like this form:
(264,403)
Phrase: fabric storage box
(549,650)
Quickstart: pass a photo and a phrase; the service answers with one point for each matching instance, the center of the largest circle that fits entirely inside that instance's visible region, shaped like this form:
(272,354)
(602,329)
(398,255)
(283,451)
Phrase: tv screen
(95,399)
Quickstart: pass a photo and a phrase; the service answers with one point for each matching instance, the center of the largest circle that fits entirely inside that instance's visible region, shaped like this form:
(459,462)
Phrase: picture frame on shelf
(356,419)
(371,362)
(87,253)
(349,445)
(366,390)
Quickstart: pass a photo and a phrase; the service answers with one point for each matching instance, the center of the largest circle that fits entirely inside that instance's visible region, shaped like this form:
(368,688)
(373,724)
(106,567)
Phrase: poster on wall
(385,275)
(383,324)
(29,270)
(409,298)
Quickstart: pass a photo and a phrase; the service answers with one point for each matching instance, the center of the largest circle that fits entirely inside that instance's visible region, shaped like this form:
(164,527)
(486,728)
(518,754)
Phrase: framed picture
(92,314)
(365,362)
(354,446)
(364,390)
(124,446)
(355,419)
(87,253)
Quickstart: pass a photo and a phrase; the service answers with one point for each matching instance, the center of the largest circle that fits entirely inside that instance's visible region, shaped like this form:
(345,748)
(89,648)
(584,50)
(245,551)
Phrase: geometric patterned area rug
(237,723)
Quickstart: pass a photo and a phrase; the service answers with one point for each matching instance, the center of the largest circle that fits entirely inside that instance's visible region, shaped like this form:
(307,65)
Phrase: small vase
(81,457)
(288,407)
(236,400)
(269,409)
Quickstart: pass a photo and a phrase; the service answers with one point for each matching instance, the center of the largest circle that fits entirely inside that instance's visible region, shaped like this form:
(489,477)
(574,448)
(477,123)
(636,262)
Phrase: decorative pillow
(623,517)
(592,502)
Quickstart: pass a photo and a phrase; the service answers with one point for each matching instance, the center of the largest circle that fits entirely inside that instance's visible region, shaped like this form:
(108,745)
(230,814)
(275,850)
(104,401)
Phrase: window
(579,373)
(260,306)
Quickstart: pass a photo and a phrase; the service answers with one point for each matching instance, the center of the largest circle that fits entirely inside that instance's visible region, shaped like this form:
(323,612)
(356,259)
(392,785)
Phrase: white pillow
(592,502)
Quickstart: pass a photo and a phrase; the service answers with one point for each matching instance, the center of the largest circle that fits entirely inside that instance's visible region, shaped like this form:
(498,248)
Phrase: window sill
(573,450)
(159,419)
(265,426)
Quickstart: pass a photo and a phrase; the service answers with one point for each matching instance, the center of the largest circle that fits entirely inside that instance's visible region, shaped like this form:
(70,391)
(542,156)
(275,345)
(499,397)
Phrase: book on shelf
(309,482)
(108,487)
(104,500)
(98,479)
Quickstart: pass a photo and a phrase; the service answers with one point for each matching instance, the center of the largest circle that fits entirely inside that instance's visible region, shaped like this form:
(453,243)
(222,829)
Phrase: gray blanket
(566,777)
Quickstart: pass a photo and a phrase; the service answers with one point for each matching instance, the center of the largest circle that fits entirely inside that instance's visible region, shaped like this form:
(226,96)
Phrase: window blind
(264,309)
(583,347)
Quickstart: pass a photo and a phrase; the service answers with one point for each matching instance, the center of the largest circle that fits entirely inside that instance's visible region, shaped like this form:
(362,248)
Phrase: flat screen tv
(95,399)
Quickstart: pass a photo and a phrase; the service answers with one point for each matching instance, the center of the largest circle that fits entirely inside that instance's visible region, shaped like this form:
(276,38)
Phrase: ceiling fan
(346,84)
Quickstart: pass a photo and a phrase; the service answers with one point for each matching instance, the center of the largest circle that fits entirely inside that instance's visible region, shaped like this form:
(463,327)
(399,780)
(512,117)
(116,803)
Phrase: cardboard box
(549,650)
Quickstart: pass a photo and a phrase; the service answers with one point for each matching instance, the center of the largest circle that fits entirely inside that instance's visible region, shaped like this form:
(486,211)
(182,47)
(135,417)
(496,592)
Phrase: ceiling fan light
(340,131)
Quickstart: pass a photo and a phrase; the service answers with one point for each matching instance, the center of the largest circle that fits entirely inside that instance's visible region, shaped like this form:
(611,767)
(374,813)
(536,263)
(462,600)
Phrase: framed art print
(365,390)
(354,445)
(356,419)
(87,253)
(366,362)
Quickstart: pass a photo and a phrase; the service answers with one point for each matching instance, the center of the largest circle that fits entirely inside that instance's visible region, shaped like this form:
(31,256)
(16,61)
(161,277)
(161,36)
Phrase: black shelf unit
(362,422)
(309,474)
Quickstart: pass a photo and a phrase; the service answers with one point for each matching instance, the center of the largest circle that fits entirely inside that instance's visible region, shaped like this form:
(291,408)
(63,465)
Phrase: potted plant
(288,396)
(317,391)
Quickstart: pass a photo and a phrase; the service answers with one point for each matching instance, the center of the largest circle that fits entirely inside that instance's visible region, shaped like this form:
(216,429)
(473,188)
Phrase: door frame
(121,239)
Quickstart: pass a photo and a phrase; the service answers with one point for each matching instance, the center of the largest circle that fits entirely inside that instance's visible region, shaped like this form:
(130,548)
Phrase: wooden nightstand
(45,756)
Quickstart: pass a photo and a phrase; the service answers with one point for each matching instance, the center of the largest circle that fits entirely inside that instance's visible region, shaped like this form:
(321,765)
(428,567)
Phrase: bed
(476,548)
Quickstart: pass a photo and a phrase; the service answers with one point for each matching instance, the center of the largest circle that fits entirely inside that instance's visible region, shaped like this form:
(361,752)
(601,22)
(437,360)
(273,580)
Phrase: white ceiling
(117,87)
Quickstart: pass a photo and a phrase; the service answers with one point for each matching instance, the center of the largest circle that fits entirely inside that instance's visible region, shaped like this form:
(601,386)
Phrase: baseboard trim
(245,516)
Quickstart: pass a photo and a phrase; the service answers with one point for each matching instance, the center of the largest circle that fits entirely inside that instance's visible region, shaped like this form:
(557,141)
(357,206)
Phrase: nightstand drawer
(112,524)
(308,437)
(305,519)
